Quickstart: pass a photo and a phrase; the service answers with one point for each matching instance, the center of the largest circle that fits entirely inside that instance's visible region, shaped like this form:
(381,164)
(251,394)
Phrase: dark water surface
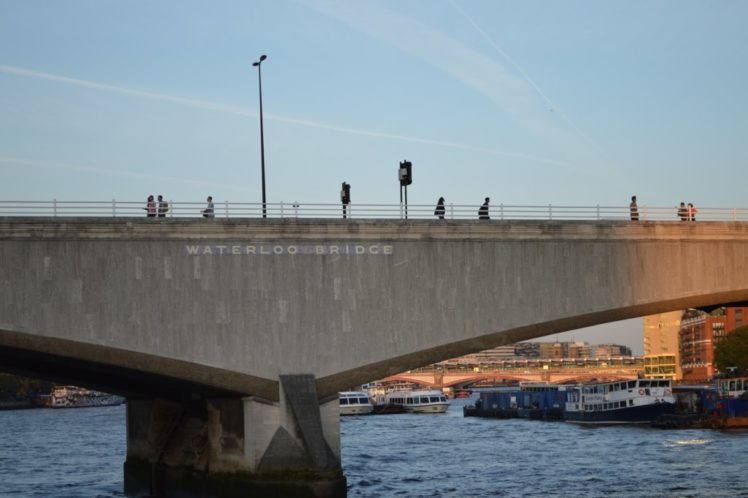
(79,454)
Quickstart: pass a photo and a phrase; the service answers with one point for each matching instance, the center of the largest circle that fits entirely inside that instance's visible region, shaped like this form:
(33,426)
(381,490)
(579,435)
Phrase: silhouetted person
(691,212)
(634,209)
(209,211)
(682,212)
(483,211)
(163,206)
(345,197)
(150,208)
(439,211)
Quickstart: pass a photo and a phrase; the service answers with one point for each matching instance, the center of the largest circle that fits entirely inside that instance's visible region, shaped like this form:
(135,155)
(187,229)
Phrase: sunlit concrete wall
(241,302)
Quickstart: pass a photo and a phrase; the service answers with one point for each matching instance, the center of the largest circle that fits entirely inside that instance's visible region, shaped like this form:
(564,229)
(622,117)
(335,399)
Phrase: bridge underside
(135,374)
(126,373)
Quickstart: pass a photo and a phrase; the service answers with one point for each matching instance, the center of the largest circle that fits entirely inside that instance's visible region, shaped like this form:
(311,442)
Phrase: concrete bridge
(232,337)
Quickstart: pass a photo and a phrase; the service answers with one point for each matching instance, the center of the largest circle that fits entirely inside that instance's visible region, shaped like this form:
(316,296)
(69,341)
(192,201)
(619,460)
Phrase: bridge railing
(226,209)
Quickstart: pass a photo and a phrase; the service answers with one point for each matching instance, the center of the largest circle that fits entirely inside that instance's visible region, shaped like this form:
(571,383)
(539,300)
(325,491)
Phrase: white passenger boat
(423,401)
(354,403)
(623,402)
(78,397)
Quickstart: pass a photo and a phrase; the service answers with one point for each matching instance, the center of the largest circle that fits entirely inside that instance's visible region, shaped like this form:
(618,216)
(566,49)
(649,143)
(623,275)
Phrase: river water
(79,454)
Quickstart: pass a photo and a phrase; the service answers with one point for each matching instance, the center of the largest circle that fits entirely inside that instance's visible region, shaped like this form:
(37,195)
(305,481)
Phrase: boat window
(424,399)
(343,401)
(739,385)
(732,385)
(363,401)
(631,402)
(442,399)
(643,383)
(632,384)
(434,399)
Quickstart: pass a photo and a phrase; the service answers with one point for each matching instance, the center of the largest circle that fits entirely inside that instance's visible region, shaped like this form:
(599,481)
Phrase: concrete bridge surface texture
(232,338)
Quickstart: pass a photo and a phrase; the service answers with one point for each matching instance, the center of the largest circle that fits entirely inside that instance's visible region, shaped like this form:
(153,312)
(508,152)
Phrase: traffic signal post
(405,175)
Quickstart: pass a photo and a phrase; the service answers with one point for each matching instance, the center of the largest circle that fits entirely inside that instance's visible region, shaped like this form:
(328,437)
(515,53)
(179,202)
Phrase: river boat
(534,400)
(732,402)
(637,401)
(418,401)
(77,397)
(354,403)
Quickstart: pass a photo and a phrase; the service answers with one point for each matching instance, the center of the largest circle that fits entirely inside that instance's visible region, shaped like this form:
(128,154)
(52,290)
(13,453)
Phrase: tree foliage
(732,351)
(14,387)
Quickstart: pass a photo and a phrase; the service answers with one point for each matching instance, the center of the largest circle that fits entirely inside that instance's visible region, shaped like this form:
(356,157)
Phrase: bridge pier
(232,447)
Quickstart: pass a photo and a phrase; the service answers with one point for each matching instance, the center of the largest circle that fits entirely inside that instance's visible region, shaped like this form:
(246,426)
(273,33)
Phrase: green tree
(732,351)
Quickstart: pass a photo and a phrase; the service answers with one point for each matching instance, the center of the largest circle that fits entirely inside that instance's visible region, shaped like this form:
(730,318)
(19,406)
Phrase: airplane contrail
(553,107)
(214,106)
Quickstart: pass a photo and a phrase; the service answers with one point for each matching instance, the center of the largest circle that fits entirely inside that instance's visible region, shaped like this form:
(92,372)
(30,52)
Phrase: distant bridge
(466,378)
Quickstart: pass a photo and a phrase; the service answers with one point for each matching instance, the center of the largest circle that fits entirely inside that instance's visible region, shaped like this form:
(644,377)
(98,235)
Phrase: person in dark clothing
(634,209)
(483,211)
(683,212)
(209,211)
(439,211)
(163,206)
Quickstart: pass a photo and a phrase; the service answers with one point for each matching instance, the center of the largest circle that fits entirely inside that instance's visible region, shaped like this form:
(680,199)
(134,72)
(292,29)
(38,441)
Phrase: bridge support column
(226,448)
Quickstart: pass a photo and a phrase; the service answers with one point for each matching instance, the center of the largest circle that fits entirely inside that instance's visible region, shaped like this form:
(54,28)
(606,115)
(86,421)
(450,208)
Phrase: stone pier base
(236,447)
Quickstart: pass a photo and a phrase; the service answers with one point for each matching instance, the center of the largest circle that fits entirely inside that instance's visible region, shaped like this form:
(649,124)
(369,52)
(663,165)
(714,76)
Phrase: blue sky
(528,102)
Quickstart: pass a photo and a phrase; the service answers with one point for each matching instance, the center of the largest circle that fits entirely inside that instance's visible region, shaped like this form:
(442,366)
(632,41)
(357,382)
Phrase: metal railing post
(550,212)
(598,212)
(501,211)
(54,207)
(226,204)
(451,211)
(281,209)
(114,208)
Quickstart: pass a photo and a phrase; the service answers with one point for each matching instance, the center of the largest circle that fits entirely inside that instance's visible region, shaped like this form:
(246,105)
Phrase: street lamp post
(262,135)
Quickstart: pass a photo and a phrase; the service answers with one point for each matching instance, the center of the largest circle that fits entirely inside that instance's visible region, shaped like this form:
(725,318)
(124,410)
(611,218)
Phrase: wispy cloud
(222,108)
(20,162)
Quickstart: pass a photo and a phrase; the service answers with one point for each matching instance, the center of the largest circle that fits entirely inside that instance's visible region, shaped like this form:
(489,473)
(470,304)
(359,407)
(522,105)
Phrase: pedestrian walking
(163,206)
(209,211)
(439,211)
(634,209)
(683,212)
(691,212)
(150,207)
(483,211)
